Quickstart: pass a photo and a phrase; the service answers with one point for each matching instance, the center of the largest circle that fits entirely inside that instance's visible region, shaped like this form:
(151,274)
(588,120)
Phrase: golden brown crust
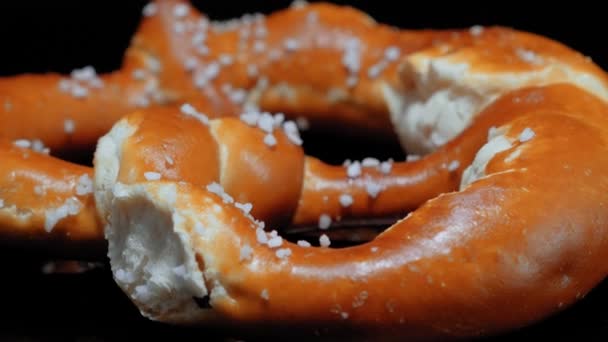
(44,198)
(495,227)
(516,239)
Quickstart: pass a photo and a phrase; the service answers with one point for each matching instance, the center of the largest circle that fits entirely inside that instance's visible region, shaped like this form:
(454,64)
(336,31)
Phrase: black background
(62,35)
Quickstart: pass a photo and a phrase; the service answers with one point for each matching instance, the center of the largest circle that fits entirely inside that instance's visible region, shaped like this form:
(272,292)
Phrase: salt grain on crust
(386,166)
(181,10)
(84,186)
(38,146)
(245,207)
(282,253)
(69,126)
(152,176)
(373,189)
(138,74)
(346,200)
(266,122)
(270,140)
(246,252)
(261,236)
(526,135)
(392,53)
(275,241)
(291,44)
(264,294)
(250,118)
(150,10)
(189,110)
(324,241)
(324,221)
(22,143)
(303,243)
(454,165)
(291,131)
(353,169)
(226,59)
(70,207)
(476,30)
(370,162)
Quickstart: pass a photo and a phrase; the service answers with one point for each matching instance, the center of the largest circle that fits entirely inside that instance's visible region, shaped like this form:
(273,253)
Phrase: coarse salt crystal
(252,70)
(291,130)
(476,30)
(412,157)
(291,44)
(261,236)
(150,9)
(454,165)
(84,186)
(375,70)
(386,166)
(22,143)
(373,189)
(526,135)
(324,221)
(52,216)
(181,10)
(264,294)
(226,59)
(152,176)
(270,140)
(303,243)
(346,200)
(353,170)
(246,252)
(278,119)
(244,207)
(69,126)
(259,46)
(85,74)
(370,162)
(79,92)
(324,241)
(282,253)
(266,122)
(392,53)
(275,241)
(250,118)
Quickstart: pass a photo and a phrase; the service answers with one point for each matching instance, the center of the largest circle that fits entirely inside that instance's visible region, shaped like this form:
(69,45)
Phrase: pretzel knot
(199,168)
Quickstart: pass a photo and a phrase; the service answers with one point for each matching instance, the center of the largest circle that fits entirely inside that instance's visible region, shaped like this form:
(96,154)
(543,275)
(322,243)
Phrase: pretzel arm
(432,275)
(47,203)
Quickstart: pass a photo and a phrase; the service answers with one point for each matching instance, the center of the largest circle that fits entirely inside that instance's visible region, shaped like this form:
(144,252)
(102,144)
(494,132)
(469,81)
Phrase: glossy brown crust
(32,185)
(517,239)
(268,177)
(295,84)
(274,73)
(35,106)
(226,151)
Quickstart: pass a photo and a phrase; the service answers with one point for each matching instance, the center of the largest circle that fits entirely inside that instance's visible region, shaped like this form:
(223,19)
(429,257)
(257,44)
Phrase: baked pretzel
(188,198)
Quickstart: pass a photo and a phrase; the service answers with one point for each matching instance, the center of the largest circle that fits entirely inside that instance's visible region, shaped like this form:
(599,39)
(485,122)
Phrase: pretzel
(187,193)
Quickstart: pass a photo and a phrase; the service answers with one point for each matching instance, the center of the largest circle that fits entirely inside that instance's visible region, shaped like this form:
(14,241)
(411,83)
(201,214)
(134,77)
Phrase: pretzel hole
(334,145)
(343,233)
